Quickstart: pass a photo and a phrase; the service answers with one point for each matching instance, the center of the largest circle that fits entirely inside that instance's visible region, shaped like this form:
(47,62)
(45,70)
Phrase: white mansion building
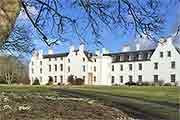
(162,63)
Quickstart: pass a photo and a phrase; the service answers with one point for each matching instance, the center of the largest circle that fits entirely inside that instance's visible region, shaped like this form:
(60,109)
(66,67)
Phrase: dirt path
(133,107)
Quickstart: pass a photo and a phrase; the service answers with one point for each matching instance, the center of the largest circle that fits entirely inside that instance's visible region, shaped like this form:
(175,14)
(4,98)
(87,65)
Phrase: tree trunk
(9,9)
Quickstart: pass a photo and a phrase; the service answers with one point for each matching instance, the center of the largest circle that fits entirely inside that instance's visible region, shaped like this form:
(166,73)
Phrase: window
(130,78)
(61,78)
(130,67)
(173,78)
(94,78)
(112,67)
(83,59)
(121,79)
(139,78)
(61,67)
(49,68)
(94,68)
(49,59)
(94,60)
(84,68)
(84,77)
(169,53)
(41,70)
(155,78)
(112,79)
(32,63)
(69,60)
(55,58)
(61,58)
(55,67)
(40,62)
(121,67)
(161,54)
(32,70)
(69,69)
(140,66)
(173,65)
(55,79)
(156,66)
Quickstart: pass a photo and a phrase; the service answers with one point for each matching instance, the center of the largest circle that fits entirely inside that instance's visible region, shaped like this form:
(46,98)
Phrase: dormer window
(140,57)
(161,54)
(83,59)
(69,60)
(169,53)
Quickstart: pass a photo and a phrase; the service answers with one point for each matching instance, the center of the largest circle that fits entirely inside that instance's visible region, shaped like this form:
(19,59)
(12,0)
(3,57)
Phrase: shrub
(79,81)
(71,79)
(130,83)
(36,82)
(161,82)
(146,83)
(3,82)
(50,81)
(167,84)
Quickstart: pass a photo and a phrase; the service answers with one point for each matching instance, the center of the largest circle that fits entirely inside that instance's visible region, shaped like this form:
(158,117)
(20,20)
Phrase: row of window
(168,54)
(61,68)
(130,67)
(55,78)
(156,78)
(173,66)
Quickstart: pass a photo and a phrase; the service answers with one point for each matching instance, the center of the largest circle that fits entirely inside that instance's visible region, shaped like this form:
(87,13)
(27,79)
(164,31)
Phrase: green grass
(44,90)
(159,94)
(169,96)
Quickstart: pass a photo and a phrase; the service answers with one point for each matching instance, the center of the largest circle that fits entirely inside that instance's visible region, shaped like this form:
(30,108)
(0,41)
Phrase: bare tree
(19,42)
(9,10)
(61,17)
(93,15)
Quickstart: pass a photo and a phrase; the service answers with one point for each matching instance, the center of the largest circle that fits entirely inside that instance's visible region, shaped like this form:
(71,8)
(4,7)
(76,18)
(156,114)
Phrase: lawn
(157,94)
(42,103)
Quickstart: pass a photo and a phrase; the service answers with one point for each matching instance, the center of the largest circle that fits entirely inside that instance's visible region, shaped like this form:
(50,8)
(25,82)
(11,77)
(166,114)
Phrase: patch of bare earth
(40,107)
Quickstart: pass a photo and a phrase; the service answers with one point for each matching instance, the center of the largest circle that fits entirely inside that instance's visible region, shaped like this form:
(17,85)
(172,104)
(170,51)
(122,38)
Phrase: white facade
(109,68)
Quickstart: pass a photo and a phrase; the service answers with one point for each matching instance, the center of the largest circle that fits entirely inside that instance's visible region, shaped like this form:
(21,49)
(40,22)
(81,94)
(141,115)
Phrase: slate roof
(88,55)
(56,55)
(178,49)
(131,56)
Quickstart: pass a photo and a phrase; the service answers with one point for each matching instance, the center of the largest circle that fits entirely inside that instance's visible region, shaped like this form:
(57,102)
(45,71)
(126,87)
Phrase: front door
(90,76)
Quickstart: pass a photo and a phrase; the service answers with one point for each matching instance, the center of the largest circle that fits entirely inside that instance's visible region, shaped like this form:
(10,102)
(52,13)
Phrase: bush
(36,82)
(167,84)
(130,83)
(71,79)
(3,82)
(161,82)
(50,81)
(146,83)
(79,81)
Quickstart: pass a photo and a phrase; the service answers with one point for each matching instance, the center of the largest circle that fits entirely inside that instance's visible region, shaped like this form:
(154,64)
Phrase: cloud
(32,11)
(144,43)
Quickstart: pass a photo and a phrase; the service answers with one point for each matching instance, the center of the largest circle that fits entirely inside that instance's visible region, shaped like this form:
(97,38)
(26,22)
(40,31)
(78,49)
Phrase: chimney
(81,47)
(97,52)
(50,51)
(137,46)
(126,48)
(40,53)
(105,51)
(72,48)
